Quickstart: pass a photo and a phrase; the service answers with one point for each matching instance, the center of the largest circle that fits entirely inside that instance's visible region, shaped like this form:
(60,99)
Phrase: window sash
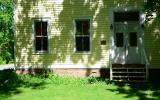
(80,27)
(82,35)
(41,39)
(39,44)
(81,46)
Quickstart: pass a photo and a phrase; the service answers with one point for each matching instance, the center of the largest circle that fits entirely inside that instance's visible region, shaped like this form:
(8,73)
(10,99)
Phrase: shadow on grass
(10,82)
(143,91)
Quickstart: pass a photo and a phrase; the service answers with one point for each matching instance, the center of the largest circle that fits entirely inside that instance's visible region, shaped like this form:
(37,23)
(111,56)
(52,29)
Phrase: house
(86,38)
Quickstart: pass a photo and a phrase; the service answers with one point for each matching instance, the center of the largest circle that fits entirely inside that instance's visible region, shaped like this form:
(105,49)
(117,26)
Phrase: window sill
(83,52)
(40,52)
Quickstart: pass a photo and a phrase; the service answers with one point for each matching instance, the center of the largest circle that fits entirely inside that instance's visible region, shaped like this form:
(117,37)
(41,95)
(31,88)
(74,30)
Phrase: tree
(152,6)
(6,31)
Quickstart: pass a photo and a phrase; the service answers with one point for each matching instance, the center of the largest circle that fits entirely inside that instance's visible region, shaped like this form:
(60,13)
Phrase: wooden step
(129,76)
(129,72)
(140,81)
(128,65)
(126,68)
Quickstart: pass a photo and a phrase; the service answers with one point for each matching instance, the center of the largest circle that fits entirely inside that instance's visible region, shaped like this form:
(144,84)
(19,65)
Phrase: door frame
(111,41)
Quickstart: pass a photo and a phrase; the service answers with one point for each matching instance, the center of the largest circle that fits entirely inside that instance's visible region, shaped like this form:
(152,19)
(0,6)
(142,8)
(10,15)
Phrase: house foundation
(75,72)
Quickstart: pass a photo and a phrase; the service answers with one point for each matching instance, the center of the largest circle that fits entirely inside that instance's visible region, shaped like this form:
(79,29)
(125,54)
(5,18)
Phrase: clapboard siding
(152,42)
(61,35)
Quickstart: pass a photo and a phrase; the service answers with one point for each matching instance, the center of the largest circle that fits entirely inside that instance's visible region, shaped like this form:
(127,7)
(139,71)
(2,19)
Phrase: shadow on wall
(61,44)
(24,32)
(152,40)
(152,32)
(135,3)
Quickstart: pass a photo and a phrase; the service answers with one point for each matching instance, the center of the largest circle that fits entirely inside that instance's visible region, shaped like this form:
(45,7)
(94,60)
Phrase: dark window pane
(82,27)
(41,28)
(78,27)
(79,43)
(85,26)
(44,28)
(38,29)
(86,44)
(103,42)
(38,43)
(82,44)
(41,44)
(126,16)
(119,39)
(133,39)
(45,43)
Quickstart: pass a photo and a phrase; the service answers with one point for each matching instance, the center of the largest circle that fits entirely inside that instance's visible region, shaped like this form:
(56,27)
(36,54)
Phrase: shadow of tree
(142,91)
(61,39)
(152,40)
(10,82)
(61,43)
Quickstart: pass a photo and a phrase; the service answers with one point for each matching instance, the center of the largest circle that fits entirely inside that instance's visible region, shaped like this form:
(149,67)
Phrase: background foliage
(152,6)
(6,31)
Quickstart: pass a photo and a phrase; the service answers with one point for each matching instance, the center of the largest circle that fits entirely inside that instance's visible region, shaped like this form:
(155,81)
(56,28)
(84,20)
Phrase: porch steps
(129,72)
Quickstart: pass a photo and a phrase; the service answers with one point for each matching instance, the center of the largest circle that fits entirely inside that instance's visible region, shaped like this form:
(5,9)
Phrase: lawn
(31,87)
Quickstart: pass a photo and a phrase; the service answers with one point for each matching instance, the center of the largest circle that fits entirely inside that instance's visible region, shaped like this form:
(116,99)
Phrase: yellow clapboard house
(87,38)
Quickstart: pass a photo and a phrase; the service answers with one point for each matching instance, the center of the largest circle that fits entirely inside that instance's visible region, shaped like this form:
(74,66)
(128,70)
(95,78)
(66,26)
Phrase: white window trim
(90,35)
(33,35)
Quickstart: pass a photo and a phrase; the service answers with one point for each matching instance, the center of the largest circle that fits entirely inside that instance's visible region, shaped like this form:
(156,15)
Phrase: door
(119,43)
(133,46)
(127,49)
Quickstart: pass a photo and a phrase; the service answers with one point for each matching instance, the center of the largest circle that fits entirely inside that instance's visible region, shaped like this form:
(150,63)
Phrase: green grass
(30,87)
(67,92)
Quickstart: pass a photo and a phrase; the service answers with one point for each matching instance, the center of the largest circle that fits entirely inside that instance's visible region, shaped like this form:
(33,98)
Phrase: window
(133,39)
(82,35)
(119,39)
(40,36)
(126,16)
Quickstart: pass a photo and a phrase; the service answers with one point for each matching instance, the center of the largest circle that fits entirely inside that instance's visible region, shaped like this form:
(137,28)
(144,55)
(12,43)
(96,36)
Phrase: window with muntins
(41,36)
(82,35)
